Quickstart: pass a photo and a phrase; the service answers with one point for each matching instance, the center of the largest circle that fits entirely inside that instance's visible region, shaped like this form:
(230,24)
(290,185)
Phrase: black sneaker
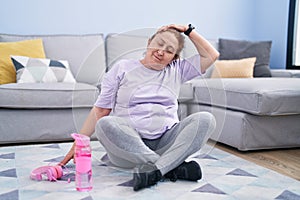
(190,171)
(145,175)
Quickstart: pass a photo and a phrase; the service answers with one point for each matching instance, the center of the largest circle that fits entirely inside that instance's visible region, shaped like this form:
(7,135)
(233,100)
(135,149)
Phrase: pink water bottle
(83,178)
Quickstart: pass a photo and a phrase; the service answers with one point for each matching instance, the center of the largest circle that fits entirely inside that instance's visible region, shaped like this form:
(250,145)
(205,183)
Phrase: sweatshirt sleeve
(189,68)
(109,87)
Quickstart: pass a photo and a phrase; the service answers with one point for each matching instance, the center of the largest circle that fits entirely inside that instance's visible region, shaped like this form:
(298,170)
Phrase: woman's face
(161,51)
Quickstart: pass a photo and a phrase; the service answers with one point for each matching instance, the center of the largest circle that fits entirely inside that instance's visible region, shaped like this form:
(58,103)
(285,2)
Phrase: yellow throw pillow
(31,48)
(242,68)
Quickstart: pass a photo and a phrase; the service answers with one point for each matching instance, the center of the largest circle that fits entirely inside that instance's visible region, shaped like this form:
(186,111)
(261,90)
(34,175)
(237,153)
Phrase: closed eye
(160,43)
(170,50)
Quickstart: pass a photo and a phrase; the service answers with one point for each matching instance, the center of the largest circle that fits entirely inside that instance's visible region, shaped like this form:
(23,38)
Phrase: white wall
(238,19)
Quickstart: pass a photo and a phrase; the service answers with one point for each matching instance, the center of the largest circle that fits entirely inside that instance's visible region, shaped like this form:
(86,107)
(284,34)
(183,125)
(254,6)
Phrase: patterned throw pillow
(242,68)
(36,70)
(31,48)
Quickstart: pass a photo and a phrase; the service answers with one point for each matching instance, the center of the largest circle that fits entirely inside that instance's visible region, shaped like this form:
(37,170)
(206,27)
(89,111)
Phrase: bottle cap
(81,140)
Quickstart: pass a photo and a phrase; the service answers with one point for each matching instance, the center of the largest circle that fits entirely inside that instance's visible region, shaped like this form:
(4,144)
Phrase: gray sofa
(258,113)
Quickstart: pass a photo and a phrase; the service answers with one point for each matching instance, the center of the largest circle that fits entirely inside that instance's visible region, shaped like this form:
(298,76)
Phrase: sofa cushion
(41,70)
(242,68)
(122,46)
(85,53)
(238,49)
(263,96)
(47,95)
(32,48)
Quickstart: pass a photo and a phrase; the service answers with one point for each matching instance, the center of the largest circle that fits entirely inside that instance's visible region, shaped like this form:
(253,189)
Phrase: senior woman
(135,116)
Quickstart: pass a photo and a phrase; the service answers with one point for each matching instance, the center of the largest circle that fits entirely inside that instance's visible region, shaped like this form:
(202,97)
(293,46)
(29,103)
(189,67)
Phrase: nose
(160,52)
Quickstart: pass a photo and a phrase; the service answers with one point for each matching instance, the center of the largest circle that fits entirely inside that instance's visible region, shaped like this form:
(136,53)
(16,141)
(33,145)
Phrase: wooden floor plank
(283,161)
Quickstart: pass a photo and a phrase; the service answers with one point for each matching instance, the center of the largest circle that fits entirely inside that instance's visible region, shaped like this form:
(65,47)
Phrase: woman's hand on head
(180,28)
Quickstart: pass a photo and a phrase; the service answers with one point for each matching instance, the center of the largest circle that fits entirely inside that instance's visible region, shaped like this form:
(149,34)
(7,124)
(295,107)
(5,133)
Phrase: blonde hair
(177,34)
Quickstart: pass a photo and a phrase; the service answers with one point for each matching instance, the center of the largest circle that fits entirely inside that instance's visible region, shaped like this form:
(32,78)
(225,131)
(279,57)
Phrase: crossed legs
(126,149)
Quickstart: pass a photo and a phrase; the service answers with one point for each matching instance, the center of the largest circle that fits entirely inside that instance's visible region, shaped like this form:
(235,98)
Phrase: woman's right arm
(101,112)
(102,107)
(87,129)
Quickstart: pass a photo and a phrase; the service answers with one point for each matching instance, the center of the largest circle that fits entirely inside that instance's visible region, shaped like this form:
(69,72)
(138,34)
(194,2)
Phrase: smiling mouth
(156,58)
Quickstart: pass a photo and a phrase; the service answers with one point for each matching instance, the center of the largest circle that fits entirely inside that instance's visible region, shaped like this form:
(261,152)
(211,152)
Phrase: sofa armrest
(295,73)
(285,73)
(280,73)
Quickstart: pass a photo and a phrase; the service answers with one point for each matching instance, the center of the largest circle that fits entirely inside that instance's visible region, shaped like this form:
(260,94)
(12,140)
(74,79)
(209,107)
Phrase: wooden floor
(284,161)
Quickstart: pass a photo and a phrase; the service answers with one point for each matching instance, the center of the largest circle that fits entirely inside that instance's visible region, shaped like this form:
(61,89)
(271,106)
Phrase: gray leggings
(126,149)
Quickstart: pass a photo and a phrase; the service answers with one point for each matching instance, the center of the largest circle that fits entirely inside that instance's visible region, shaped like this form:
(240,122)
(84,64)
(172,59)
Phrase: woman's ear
(176,57)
